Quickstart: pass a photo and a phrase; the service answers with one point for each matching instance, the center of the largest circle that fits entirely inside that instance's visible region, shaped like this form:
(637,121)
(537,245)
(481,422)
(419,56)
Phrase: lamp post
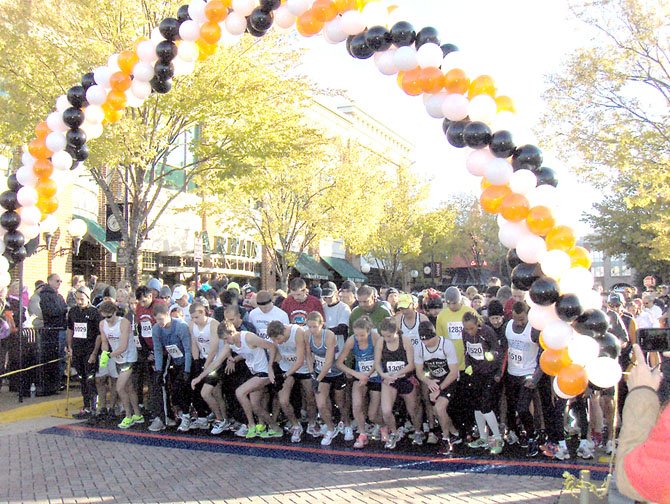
(49,227)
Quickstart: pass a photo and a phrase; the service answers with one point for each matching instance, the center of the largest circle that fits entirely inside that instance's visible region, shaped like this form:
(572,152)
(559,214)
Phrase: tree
(236,115)
(608,112)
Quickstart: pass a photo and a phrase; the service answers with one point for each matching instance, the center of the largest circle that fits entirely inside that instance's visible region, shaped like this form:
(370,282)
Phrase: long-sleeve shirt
(176,334)
(476,348)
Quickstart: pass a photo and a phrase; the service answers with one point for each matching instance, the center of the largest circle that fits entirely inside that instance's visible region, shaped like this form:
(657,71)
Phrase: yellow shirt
(450,325)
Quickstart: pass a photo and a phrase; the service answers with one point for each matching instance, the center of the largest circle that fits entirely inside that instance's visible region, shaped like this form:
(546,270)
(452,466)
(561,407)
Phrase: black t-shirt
(85,326)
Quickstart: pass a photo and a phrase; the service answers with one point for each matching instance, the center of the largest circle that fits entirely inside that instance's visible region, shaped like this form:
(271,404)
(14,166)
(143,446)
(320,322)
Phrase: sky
(518,42)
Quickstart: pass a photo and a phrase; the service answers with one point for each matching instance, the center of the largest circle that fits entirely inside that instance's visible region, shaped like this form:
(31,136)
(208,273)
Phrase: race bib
(319,363)
(80,330)
(137,341)
(203,346)
(174,351)
(366,367)
(145,328)
(475,350)
(515,358)
(289,358)
(416,342)
(394,366)
(438,372)
(455,330)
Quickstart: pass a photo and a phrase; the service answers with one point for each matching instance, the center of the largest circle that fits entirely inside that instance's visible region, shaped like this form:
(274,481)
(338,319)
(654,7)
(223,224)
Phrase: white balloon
(434,105)
(55,141)
(61,160)
(26,176)
(511,232)
(94,114)
(196,11)
(244,7)
(49,224)
(62,103)
(284,18)
(333,30)
(544,195)
(27,159)
(604,372)
(555,263)
(576,280)
(405,58)
(30,215)
(352,22)
(29,231)
(583,349)
(55,123)
(298,7)
(189,31)
(182,67)
(429,55)
(522,182)
(101,76)
(188,51)
(505,120)
(94,130)
(540,316)
(236,24)
(498,171)
(482,108)
(477,160)
(141,90)
(531,248)
(455,107)
(156,36)
(227,39)
(592,300)
(375,14)
(143,72)
(113,63)
(4,263)
(27,196)
(96,95)
(385,62)
(5,277)
(557,334)
(558,391)
(146,51)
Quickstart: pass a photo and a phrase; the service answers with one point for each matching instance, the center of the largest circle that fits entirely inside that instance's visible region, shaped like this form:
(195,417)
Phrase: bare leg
(358,392)
(324,406)
(389,395)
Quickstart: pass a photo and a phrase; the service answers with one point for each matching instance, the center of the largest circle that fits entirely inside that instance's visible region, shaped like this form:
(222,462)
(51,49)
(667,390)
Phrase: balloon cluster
(515,185)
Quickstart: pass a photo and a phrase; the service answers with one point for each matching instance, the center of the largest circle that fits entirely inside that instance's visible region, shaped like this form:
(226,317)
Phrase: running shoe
(384,434)
(392,441)
(185,423)
(497,446)
(242,431)
(479,443)
(253,432)
(585,449)
(260,427)
(211,417)
(200,423)
(432,438)
(157,425)
(137,419)
(271,433)
(234,425)
(455,439)
(170,422)
(609,447)
(533,448)
(417,438)
(361,441)
(328,437)
(348,434)
(296,434)
(314,431)
(553,450)
(82,414)
(218,427)
(375,433)
(126,423)
(512,438)
(409,427)
(425,427)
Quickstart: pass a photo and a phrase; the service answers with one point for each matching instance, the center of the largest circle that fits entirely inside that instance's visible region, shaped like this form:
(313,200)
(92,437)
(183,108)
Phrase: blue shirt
(176,333)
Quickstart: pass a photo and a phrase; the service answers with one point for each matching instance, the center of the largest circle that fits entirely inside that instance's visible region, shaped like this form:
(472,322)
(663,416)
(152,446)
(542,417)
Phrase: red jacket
(297,312)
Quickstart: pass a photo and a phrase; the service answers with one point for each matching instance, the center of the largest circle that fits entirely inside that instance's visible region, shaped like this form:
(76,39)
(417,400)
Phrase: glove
(488,356)
(468,371)
(104,359)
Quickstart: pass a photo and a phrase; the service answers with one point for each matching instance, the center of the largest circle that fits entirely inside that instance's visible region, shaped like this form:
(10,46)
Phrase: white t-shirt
(522,351)
(261,320)
(337,314)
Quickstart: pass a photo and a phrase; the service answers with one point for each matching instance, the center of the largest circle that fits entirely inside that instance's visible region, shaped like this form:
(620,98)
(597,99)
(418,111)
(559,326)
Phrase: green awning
(96,231)
(310,268)
(345,269)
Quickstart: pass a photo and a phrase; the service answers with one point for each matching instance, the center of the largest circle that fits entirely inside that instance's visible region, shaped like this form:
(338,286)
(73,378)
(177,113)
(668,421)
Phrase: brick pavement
(52,468)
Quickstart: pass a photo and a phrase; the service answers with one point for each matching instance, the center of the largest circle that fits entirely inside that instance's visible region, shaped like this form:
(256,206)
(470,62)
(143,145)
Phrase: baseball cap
(179,292)
(348,285)
(328,289)
(405,301)
(109,292)
(615,299)
(85,291)
(426,330)
(165,292)
(174,307)
(452,295)
(391,290)
(234,286)
(155,284)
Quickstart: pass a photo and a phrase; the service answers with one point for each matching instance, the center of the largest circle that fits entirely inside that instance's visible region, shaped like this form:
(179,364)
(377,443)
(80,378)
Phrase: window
(598,271)
(149,260)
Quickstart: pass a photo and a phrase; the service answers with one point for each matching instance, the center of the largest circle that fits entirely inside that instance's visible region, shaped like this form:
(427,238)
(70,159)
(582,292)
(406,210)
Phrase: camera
(654,340)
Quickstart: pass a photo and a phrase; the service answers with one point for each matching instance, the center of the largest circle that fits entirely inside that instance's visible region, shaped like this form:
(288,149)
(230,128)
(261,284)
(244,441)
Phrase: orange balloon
(116,99)
(539,220)
(343,6)
(111,114)
(579,256)
(205,49)
(216,11)
(431,80)
(48,205)
(127,61)
(552,361)
(42,130)
(43,168)
(572,379)
(38,149)
(120,81)
(514,207)
(210,32)
(505,104)
(324,10)
(492,198)
(455,81)
(411,82)
(307,24)
(46,188)
(482,85)
(561,238)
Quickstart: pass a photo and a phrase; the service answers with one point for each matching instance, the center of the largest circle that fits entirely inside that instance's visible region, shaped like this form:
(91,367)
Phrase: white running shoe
(562,453)
(170,422)
(314,431)
(348,434)
(432,438)
(610,448)
(242,431)
(585,449)
(328,437)
(157,425)
(375,433)
(185,424)
(219,426)
(200,423)
(512,438)
(296,434)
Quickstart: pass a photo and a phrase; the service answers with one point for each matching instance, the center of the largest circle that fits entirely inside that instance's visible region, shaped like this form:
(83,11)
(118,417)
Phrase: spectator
(77,281)
(54,312)
(34,309)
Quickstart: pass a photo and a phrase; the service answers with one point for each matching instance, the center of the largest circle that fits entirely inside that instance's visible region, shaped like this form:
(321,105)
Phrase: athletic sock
(491,419)
(481,424)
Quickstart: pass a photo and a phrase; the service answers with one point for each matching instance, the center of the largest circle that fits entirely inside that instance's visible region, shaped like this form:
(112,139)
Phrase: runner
(299,303)
(394,361)
(366,379)
(115,335)
(266,312)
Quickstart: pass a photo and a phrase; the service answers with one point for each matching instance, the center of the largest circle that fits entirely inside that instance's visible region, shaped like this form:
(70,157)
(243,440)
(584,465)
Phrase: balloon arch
(515,185)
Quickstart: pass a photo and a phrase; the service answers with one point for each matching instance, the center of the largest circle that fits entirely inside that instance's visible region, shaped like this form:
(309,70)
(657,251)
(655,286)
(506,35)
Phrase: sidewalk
(11,410)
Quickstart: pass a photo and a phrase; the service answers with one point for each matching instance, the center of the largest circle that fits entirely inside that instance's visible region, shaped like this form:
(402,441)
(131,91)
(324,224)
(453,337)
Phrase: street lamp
(48,227)
(365,268)
(77,230)
(414,274)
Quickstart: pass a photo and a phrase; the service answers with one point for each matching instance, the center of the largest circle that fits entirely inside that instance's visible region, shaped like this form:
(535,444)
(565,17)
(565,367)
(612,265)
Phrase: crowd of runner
(439,368)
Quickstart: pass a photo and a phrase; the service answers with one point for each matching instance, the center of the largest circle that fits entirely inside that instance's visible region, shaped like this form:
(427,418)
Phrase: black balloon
(448,48)
(76,95)
(8,200)
(527,156)
(445,125)
(182,14)
(502,145)
(427,35)
(163,71)
(610,346)
(378,38)
(73,117)
(592,323)
(253,31)
(523,275)
(14,240)
(76,137)
(78,154)
(455,133)
(568,307)
(403,34)
(546,176)
(358,48)
(87,80)
(477,135)
(18,255)
(10,220)
(513,260)
(13,183)
(161,86)
(270,5)
(169,28)
(166,51)
(544,291)
(260,19)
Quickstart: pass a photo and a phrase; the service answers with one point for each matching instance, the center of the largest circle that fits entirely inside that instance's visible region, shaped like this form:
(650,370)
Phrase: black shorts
(214,377)
(302,376)
(337,382)
(448,392)
(374,386)
(404,385)
(259,375)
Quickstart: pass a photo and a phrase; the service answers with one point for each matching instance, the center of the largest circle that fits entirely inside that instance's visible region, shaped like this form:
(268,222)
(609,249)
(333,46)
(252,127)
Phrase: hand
(315,384)
(230,367)
(151,357)
(468,371)
(186,376)
(434,387)
(362,377)
(489,356)
(641,375)
(91,358)
(434,394)
(271,376)
(194,382)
